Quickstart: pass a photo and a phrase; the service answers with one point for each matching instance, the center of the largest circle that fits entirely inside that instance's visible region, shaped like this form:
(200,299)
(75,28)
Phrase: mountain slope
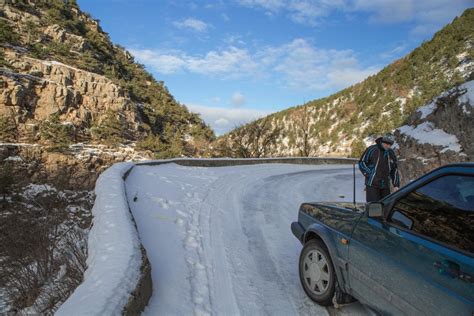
(63,82)
(338,124)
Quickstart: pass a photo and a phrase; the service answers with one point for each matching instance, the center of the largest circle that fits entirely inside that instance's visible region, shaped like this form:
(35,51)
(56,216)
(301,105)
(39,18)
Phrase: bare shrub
(252,140)
(43,250)
(302,119)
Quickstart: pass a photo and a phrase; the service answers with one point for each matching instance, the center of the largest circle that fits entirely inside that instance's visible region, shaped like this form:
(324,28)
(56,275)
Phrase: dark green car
(411,253)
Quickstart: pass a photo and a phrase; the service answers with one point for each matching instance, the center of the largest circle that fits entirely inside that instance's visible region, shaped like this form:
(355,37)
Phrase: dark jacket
(379,166)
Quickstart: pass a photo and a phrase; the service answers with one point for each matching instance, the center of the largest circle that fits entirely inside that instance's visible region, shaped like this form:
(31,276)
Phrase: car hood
(358,207)
(338,215)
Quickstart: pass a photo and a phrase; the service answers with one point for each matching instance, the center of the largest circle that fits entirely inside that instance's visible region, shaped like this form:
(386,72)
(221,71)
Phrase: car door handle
(452,269)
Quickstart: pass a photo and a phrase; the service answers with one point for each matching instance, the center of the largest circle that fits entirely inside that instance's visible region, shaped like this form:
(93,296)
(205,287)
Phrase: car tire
(317,272)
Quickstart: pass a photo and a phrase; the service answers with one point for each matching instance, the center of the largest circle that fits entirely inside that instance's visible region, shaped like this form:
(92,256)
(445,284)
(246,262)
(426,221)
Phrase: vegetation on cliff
(57,30)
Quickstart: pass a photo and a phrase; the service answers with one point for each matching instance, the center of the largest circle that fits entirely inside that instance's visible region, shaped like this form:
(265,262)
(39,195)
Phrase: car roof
(460,164)
(456,165)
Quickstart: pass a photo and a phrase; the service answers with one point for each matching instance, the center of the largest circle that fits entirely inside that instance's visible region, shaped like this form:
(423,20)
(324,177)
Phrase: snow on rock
(466,100)
(466,65)
(426,133)
(13,158)
(427,109)
(114,256)
(439,133)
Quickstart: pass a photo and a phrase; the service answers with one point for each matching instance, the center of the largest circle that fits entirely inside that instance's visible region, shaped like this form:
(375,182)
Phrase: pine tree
(8,131)
(110,130)
(6,179)
(56,133)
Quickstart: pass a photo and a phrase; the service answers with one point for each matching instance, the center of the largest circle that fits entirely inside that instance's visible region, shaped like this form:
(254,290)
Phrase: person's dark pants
(376,194)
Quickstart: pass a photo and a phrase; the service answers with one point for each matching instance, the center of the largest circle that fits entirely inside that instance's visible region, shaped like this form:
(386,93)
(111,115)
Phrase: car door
(436,223)
(375,271)
(419,261)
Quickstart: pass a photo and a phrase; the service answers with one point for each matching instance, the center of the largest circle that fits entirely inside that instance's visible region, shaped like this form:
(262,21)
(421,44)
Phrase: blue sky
(233,61)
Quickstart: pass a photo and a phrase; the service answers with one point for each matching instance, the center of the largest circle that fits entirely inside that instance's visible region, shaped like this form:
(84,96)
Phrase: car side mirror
(374,209)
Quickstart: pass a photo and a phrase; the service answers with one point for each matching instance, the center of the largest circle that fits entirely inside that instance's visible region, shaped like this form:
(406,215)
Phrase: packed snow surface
(114,255)
(219,238)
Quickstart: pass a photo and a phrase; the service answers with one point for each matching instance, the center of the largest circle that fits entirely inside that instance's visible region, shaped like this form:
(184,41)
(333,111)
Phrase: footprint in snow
(181,213)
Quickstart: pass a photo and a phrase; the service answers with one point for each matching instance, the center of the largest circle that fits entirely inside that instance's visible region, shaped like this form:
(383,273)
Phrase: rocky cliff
(65,88)
(36,90)
(438,133)
(60,68)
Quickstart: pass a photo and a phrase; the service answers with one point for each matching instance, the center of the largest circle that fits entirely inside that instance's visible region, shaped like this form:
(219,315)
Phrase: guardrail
(130,288)
(225,162)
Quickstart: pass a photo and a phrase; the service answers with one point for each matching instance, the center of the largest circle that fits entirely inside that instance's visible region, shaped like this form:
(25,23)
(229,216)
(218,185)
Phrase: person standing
(378,164)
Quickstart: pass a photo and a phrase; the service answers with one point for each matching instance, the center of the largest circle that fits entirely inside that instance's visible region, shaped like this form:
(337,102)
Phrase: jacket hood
(378,141)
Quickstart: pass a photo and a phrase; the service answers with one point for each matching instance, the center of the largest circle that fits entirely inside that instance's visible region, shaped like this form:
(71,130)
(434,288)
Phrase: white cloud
(165,63)
(395,52)
(225,17)
(230,62)
(428,15)
(300,11)
(192,24)
(269,5)
(305,66)
(238,99)
(223,120)
(386,11)
(394,11)
(298,64)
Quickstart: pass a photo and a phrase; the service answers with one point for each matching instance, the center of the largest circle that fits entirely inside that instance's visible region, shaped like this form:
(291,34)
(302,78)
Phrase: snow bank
(114,256)
(426,133)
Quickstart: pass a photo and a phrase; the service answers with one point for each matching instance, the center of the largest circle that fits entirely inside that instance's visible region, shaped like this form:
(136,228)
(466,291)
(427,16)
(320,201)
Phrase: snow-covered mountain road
(219,239)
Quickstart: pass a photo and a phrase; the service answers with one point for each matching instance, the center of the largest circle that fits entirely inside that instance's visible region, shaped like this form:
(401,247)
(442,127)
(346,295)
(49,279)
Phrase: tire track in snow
(236,253)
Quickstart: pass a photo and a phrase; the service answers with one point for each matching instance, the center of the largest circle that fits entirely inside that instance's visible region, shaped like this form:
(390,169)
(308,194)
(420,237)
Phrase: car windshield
(455,190)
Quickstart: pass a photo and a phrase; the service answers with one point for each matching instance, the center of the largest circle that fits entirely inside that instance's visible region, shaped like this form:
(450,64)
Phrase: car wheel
(317,273)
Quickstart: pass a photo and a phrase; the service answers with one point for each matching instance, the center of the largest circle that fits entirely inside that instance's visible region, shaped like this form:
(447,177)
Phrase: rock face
(57,65)
(439,133)
(75,168)
(72,102)
(39,89)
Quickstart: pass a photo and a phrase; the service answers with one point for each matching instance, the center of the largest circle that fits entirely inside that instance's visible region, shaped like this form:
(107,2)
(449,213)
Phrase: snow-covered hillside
(219,239)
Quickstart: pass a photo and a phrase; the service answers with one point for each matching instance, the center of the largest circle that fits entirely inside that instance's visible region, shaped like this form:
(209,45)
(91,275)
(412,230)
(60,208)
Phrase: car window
(402,220)
(442,210)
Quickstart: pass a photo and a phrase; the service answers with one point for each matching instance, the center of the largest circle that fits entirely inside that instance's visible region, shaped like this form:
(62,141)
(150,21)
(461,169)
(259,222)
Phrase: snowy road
(219,239)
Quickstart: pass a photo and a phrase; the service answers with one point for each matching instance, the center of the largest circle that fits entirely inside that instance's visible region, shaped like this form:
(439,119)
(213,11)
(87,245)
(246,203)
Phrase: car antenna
(354,184)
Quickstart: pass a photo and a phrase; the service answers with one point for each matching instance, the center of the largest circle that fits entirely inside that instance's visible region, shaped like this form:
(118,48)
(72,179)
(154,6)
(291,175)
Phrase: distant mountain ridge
(340,124)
